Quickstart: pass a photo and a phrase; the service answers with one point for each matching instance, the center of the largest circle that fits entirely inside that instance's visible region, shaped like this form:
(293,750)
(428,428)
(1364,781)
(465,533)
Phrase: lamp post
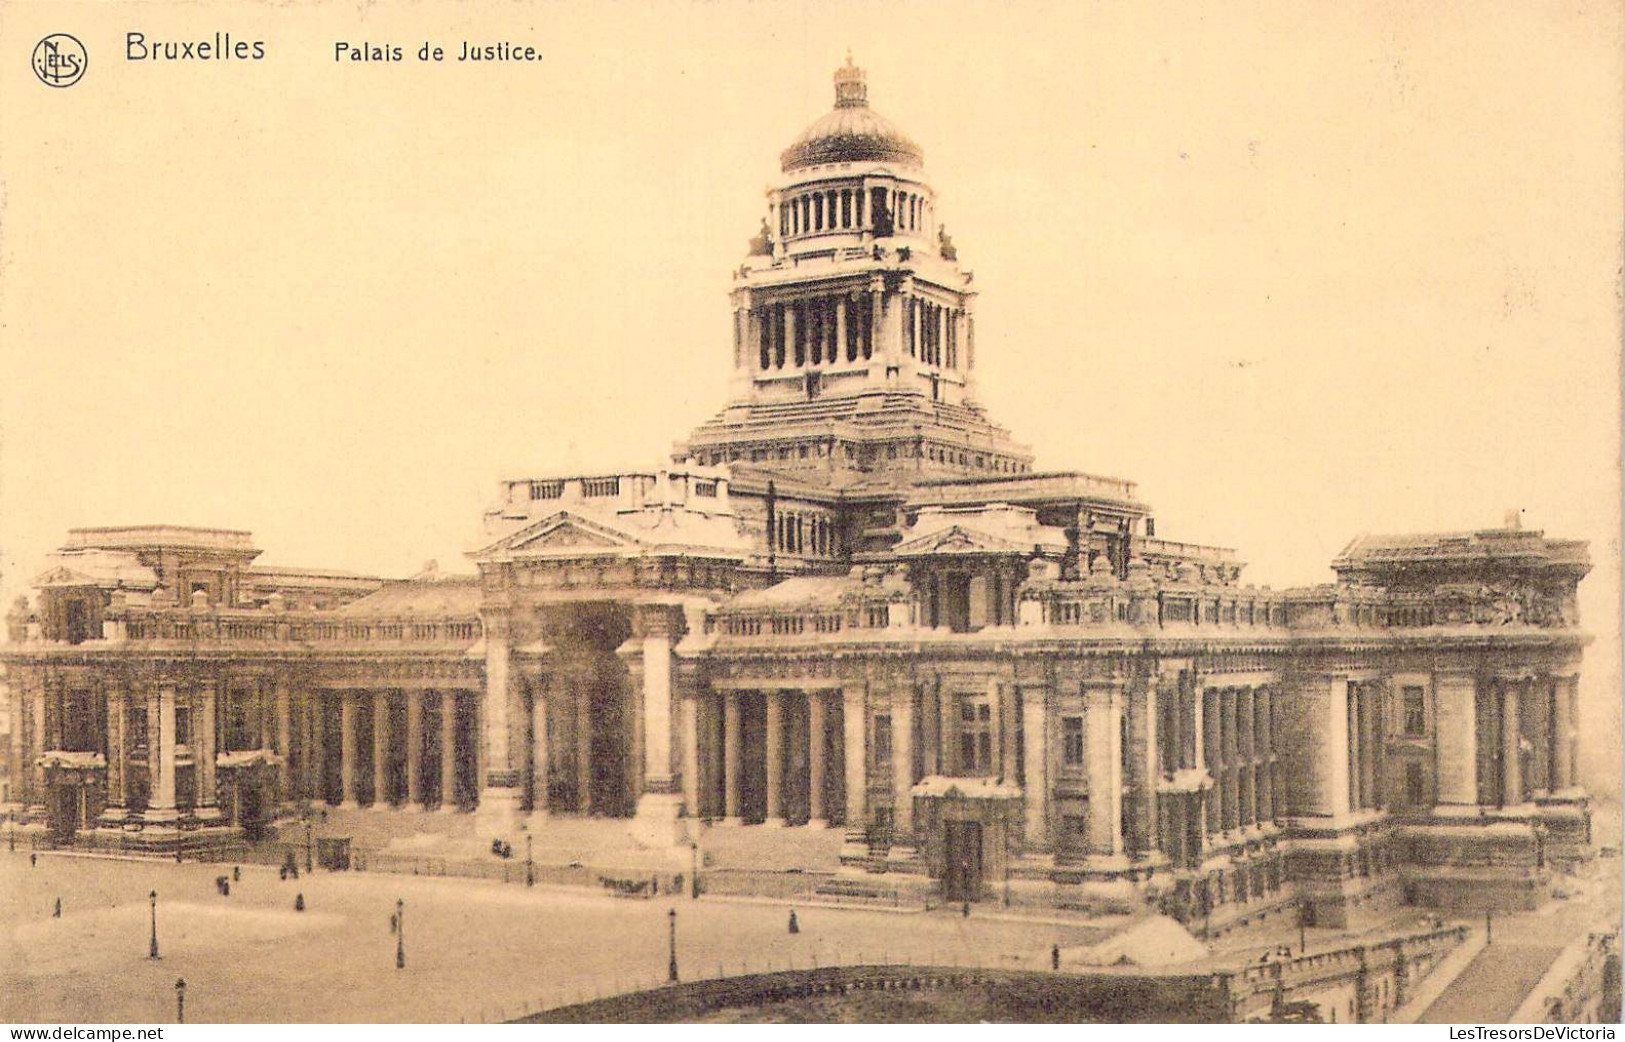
(530,864)
(152,949)
(694,874)
(400,934)
(180,1000)
(310,841)
(671,918)
(1303,922)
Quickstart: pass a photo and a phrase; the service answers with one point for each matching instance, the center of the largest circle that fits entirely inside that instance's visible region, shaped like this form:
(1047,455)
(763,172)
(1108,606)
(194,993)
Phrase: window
(975,735)
(1072,741)
(183,723)
(1415,705)
(882,743)
(1075,832)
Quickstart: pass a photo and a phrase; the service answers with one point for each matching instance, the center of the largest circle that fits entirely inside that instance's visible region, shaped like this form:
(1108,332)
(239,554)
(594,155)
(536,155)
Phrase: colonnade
(782,758)
(413,758)
(812,331)
(854,209)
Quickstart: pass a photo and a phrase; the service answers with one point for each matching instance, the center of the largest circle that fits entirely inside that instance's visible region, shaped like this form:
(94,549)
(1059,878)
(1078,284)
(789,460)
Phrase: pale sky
(1302,270)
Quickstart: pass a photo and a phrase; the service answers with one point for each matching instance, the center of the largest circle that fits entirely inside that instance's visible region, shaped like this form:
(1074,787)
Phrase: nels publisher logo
(59,60)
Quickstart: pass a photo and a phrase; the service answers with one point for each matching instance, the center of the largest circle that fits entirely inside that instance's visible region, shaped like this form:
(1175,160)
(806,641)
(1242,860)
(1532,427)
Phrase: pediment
(958,539)
(564,533)
(64,576)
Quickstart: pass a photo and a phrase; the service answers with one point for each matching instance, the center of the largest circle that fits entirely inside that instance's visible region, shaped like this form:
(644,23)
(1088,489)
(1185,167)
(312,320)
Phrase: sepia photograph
(773,512)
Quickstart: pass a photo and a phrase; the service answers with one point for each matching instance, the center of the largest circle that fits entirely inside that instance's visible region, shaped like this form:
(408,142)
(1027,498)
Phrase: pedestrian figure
(236,873)
(283,873)
(1055,957)
(966,910)
(394,922)
(58,913)
(299,903)
(795,927)
(33,860)
(654,885)
(225,888)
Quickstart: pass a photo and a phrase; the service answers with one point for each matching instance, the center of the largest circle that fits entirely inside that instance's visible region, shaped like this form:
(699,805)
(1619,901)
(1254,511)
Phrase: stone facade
(849,600)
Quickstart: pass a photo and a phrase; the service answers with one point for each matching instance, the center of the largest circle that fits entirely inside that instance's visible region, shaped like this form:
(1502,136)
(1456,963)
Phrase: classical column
(1511,742)
(1563,736)
(206,746)
(1456,740)
(316,707)
(902,750)
(842,352)
(284,727)
(1356,759)
(1035,726)
(583,735)
(161,741)
(1103,758)
(539,755)
(731,746)
(380,748)
(448,750)
(498,781)
(815,759)
(774,752)
(117,800)
(1008,710)
(790,312)
(347,747)
(853,716)
(414,749)
(691,754)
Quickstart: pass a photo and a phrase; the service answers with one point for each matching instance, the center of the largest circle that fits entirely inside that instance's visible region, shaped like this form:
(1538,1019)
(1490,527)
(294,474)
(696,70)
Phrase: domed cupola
(852,133)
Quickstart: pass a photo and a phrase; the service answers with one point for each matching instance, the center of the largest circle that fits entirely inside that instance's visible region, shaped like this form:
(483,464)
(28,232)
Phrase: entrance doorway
(64,816)
(962,878)
(251,810)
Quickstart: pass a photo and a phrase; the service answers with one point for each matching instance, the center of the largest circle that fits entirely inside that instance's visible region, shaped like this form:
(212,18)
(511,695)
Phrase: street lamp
(310,841)
(400,934)
(530,865)
(671,917)
(180,1000)
(152,949)
(694,881)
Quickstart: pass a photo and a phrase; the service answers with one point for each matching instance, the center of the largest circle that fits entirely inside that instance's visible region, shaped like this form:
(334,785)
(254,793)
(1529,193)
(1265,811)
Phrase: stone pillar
(498,781)
(448,750)
(902,750)
(691,754)
(117,756)
(790,311)
(1103,757)
(815,758)
(1008,710)
(1456,742)
(1511,744)
(1036,750)
(540,755)
(206,747)
(840,328)
(347,748)
(380,748)
(161,750)
(284,727)
(583,736)
(775,757)
(854,727)
(650,653)
(316,706)
(414,749)
(1356,725)
(732,739)
(1563,740)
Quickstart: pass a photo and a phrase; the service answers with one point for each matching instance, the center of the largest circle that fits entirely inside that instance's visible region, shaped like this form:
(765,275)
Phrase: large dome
(853,132)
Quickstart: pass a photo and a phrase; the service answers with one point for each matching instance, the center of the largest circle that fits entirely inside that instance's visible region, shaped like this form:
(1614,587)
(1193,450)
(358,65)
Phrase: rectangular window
(975,735)
(183,723)
(1072,741)
(882,743)
(1415,705)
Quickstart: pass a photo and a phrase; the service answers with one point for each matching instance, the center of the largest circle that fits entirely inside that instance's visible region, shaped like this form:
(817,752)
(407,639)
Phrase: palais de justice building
(848,603)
